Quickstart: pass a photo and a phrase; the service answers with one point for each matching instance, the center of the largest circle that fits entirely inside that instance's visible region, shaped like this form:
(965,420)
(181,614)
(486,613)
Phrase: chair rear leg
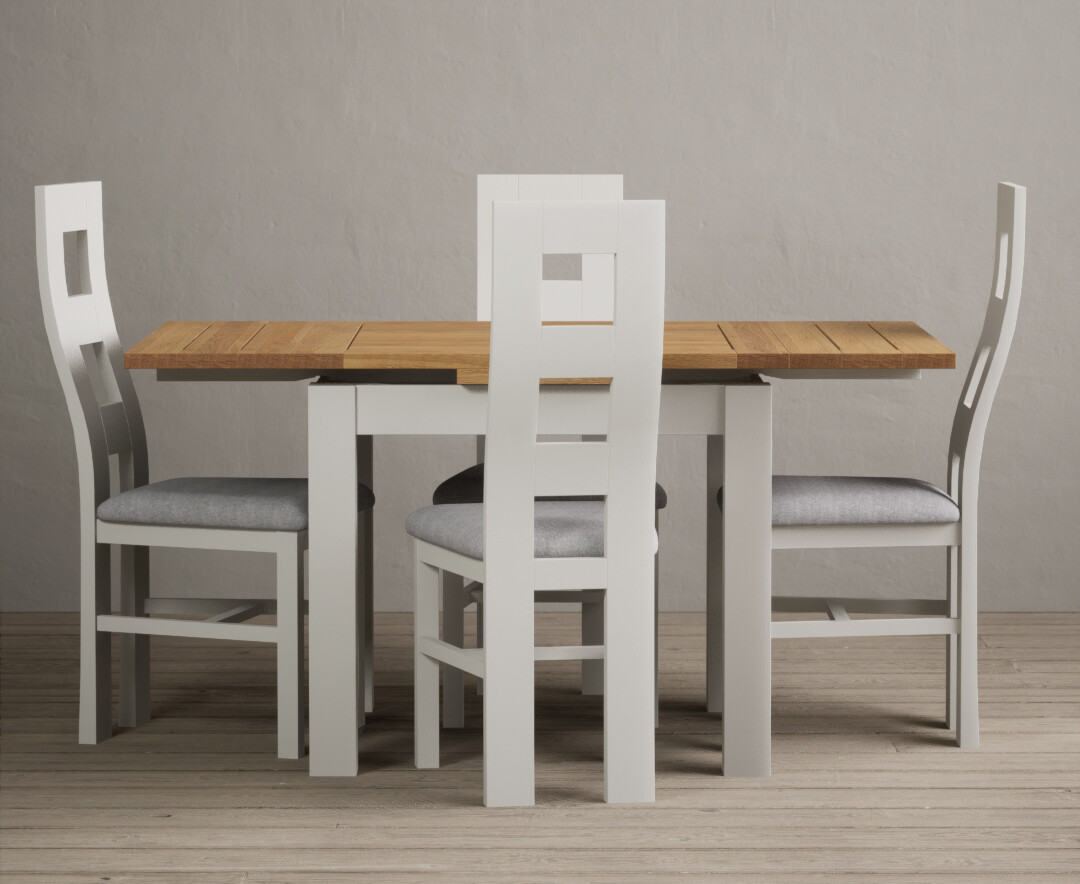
(290,649)
(426,670)
(134,649)
(453,680)
(967,658)
(95,648)
(951,643)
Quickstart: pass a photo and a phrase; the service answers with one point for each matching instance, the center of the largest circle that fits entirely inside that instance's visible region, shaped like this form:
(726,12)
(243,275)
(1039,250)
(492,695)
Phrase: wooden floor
(866,780)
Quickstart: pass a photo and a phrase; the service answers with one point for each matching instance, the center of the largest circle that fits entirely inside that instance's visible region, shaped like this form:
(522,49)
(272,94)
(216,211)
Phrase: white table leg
(335,713)
(365,627)
(747,579)
(714,577)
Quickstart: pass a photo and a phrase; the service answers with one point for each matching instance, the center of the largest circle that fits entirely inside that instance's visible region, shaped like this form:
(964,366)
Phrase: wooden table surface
(463,346)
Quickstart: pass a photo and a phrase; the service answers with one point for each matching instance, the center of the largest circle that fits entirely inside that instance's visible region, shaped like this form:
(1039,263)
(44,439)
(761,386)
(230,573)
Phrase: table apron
(442,409)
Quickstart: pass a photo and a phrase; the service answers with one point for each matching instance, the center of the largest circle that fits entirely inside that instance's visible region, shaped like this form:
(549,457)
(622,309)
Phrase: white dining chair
(240,514)
(514,543)
(587,299)
(826,512)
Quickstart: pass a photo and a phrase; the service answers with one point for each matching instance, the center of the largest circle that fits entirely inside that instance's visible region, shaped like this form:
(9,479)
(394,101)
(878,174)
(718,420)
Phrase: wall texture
(285,160)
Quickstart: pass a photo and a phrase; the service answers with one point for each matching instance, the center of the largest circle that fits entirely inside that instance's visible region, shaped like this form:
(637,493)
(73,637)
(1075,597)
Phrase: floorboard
(867,783)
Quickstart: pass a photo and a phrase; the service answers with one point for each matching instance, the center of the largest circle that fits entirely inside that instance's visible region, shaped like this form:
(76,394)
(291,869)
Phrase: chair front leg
(426,670)
(134,649)
(290,649)
(951,643)
(453,679)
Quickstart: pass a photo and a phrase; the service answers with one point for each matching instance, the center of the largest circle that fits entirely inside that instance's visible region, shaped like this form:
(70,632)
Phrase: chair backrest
(105,414)
(622,465)
(591,297)
(973,410)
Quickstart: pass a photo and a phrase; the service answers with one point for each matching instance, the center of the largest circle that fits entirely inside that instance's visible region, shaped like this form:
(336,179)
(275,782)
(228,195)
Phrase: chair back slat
(101,399)
(589,298)
(992,351)
(622,467)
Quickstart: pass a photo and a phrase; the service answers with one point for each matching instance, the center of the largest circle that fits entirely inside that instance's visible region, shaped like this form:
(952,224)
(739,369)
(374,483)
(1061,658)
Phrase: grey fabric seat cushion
(468,487)
(252,504)
(564,528)
(858,500)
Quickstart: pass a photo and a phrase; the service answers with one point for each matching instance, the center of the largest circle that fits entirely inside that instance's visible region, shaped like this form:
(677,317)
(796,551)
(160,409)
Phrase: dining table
(373,378)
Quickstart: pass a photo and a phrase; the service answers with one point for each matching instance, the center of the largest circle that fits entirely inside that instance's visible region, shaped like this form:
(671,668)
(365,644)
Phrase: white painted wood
(365,574)
(209,607)
(797,604)
(959,622)
(581,227)
(571,468)
(334,636)
(291,685)
(233,539)
(365,604)
(134,706)
(714,573)
(451,409)
(863,628)
(592,633)
(519,468)
(107,422)
(91,377)
(509,483)
(556,574)
(854,536)
(951,646)
(187,628)
(843,374)
(578,351)
(425,666)
(469,660)
(747,580)
(237,614)
(836,610)
(593,298)
(569,652)
(629,604)
(446,560)
(455,601)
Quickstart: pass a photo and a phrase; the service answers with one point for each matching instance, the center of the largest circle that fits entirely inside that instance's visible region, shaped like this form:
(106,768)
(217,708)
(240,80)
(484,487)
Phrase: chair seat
(468,487)
(564,528)
(858,500)
(252,504)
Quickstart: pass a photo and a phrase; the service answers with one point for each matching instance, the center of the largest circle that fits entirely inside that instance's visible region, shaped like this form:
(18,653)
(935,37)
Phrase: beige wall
(318,160)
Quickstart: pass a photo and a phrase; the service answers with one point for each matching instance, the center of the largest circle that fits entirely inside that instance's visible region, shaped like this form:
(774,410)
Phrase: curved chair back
(105,413)
(973,410)
(589,298)
(621,463)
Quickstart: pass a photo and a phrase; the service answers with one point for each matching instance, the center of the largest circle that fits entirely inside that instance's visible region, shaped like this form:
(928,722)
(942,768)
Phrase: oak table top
(462,347)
